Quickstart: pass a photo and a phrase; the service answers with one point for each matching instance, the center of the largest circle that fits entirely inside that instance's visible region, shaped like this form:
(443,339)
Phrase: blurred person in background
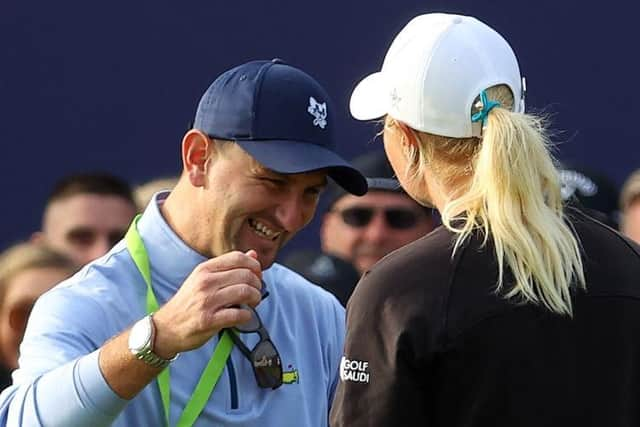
(362,230)
(357,231)
(85,215)
(144,192)
(630,207)
(27,271)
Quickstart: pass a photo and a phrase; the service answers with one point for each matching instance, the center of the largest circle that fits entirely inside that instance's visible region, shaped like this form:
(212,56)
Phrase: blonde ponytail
(513,196)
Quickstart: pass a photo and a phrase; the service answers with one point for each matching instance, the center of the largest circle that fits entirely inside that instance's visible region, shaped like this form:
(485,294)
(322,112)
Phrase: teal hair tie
(487,105)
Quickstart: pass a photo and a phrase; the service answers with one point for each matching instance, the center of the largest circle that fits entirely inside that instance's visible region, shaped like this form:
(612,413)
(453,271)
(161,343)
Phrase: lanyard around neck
(214,368)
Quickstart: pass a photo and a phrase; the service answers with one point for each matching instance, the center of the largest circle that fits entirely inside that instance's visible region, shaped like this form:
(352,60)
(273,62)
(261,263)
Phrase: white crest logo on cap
(318,111)
(395,98)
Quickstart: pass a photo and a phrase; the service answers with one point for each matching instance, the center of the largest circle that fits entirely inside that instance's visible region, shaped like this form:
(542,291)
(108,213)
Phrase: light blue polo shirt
(59,382)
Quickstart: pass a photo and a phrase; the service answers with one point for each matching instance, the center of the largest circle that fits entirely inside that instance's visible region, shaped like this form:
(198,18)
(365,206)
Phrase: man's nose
(377,229)
(293,212)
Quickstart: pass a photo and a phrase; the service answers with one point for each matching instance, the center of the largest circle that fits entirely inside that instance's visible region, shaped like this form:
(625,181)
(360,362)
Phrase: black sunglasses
(264,357)
(398,218)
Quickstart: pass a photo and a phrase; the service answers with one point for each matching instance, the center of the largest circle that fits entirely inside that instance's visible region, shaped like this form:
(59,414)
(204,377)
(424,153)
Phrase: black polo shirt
(430,343)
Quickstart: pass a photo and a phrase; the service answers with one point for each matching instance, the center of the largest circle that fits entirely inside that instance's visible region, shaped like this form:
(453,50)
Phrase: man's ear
(196,151)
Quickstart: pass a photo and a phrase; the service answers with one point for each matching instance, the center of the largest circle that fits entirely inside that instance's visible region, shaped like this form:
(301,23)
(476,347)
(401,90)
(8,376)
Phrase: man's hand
(207,302)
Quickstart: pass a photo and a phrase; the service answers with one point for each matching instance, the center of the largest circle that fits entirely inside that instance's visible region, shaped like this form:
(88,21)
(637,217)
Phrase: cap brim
(298,157)
(370,97)
(386,184)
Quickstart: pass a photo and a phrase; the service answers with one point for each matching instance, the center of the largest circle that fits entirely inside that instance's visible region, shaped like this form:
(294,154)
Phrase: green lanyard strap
(214,368)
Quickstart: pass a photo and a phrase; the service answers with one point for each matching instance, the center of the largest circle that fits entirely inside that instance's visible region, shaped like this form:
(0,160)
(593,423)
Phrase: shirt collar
(171,259)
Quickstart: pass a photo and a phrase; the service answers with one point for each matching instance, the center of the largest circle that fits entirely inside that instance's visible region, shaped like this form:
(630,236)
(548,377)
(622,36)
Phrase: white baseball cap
(434,70)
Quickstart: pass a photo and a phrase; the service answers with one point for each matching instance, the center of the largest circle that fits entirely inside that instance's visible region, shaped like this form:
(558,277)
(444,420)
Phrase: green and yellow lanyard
(214,368)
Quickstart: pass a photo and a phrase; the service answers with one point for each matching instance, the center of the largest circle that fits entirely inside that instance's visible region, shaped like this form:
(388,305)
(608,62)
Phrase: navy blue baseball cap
(281,116)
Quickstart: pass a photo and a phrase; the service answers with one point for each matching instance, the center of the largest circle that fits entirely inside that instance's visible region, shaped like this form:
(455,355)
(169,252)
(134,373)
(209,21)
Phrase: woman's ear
(196,151)
(408,137)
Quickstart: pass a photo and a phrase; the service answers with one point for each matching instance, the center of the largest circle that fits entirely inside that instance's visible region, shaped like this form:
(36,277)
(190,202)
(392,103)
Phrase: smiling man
(195,275)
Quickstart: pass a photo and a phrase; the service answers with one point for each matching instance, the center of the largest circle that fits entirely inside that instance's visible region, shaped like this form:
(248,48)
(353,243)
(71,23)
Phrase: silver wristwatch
(141,341)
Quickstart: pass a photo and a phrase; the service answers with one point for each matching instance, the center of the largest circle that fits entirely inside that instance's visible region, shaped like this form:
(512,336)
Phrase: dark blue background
(112,85)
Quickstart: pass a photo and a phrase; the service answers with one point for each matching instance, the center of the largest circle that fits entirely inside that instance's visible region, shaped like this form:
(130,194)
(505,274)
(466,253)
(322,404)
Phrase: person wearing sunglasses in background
(364,229)
(356,232)
(195,276)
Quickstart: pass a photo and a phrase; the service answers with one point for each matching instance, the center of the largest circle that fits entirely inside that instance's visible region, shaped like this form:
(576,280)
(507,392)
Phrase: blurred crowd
(86,214)
(83,217)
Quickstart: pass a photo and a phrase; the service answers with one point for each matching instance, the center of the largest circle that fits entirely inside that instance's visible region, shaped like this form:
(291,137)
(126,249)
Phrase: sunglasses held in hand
(264,357)
(398,218)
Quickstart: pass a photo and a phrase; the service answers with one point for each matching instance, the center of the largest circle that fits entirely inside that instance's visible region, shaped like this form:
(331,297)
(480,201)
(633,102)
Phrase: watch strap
(150,358)
(147,354)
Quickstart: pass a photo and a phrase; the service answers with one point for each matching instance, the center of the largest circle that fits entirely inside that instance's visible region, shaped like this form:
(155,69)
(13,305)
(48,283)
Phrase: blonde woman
(517,311)
(27,270)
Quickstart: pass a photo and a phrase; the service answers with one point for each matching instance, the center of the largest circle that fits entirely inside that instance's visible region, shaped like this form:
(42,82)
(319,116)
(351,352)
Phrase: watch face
(140,335)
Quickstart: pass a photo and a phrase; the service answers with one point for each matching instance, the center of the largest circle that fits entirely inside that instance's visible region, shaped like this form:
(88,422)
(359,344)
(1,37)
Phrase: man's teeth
(262,230)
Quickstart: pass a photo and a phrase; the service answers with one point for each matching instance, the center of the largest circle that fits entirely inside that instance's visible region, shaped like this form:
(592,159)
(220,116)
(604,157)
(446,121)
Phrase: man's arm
(94,389)
(59,381)
(207,302)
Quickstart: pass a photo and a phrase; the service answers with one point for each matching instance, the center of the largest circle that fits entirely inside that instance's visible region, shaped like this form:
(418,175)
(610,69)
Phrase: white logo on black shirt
(353,370)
